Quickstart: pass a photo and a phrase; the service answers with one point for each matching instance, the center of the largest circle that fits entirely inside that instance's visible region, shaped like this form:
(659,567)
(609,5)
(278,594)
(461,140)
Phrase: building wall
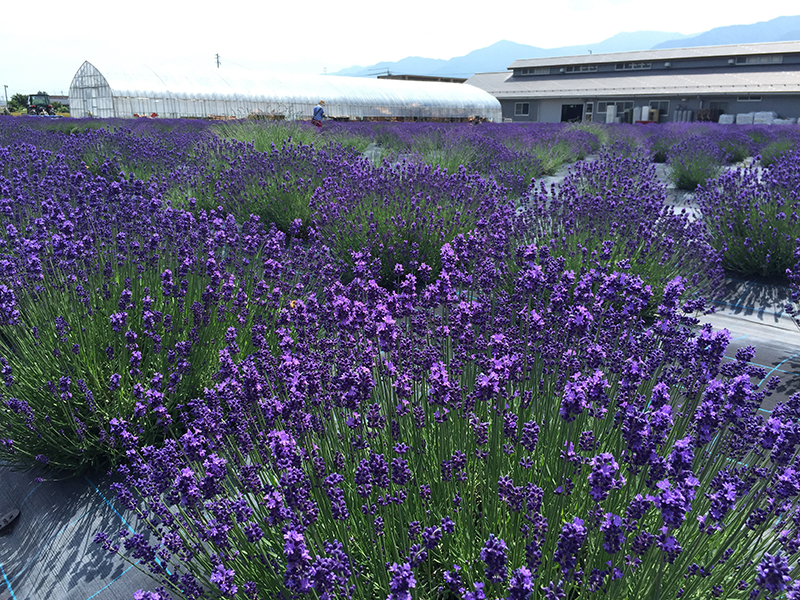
(509,109)
(678,108)
(549,110)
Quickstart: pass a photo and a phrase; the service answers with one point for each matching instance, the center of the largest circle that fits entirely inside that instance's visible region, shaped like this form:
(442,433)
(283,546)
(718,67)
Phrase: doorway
(571,113)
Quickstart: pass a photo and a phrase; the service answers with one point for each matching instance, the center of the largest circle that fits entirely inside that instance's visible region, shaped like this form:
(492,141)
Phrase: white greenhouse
(238,93)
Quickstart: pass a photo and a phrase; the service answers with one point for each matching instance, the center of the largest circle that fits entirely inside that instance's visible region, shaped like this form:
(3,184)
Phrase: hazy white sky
(42,48)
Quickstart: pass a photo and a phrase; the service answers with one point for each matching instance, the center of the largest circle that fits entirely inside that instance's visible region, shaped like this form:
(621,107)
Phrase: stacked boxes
(764,118)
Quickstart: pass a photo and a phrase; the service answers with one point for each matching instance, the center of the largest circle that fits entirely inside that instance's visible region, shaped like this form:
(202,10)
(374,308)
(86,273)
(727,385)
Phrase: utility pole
(5,91)
(217,55)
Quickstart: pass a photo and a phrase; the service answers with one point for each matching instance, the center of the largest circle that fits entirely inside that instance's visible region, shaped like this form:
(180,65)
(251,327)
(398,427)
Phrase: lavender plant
(117,307)
(694,161)
(277,186)
(752,215)
(775,150)
(400,215)
(793,275)
(613,211)
(434,443)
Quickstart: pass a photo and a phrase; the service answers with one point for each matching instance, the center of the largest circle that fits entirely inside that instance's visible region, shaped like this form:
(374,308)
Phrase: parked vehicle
(39,104)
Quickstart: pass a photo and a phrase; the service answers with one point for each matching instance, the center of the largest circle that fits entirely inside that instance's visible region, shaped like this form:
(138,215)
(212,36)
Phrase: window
(522,109)
(770,59)
(580,69)
(662,106)
(632,66)
(749,98)
(720,106)
(589,107)
(536,71)
(622,106)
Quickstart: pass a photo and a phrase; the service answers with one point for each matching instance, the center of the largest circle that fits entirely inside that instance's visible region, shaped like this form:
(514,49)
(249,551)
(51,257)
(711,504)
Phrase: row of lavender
(412,386)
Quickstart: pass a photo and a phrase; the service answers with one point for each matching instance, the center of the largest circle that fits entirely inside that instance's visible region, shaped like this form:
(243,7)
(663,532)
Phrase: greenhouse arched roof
(233,91)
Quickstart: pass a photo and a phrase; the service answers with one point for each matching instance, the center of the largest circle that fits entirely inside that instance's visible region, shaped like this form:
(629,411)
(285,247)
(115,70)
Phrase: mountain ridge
(498,56)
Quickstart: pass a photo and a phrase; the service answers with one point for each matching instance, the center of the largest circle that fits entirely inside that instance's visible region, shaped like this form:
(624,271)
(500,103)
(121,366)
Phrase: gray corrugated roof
(664,54)
(503,86)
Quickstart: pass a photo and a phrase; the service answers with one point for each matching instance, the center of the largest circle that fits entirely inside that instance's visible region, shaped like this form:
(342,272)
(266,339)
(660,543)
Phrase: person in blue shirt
(319,113)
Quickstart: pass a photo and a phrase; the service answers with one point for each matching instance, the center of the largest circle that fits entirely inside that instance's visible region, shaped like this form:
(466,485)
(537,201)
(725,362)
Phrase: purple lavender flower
(604,476)
(297,562)
(772,574)
(494,556)
(520,586)
(573,534)
(223,579)
(431,537)
(402,581)
(613,536)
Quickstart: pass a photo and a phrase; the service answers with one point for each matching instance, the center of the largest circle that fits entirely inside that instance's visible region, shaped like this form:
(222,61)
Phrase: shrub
(613,211)
(774,151)
(448,440)
(400,215)
(115,306)
(694,161)
(752,216)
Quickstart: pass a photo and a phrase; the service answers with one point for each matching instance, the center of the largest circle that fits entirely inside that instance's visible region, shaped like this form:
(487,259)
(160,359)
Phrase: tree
(18,103)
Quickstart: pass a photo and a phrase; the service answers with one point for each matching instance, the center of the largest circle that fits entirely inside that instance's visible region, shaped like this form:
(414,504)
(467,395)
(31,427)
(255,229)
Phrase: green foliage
(554,156)
(77,372)
(266,134)
(694,161)
(598,130)
(775,150)
(18,103)
(752,218)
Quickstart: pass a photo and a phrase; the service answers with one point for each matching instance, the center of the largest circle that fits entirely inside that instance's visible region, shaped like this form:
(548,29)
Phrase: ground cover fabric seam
(776,367)
(8,583)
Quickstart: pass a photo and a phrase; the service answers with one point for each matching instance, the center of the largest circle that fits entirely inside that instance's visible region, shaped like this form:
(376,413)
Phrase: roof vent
(667,64)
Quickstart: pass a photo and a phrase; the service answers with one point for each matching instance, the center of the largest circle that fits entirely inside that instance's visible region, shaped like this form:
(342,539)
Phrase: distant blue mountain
(500,55)
(780,29)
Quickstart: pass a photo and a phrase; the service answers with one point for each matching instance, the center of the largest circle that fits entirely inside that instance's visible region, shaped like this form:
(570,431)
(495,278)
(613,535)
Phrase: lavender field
(442,373)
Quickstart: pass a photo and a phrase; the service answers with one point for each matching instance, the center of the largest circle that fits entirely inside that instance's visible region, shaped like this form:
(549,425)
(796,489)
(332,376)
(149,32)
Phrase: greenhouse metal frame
(238,93)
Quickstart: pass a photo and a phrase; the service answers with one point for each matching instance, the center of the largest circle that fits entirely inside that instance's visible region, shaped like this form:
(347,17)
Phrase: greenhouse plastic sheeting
(239,93)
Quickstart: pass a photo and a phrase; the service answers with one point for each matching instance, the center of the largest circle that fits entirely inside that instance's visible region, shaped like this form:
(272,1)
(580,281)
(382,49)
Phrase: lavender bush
(613,210)
(775,150)
(440,391)
(277,185)
(115,306)
(752,215)
(793,275)
(694,161)
(537,445)
(401,215)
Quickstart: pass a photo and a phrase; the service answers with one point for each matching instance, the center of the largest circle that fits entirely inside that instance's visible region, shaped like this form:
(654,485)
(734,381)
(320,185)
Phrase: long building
(238,93)
(680,84)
